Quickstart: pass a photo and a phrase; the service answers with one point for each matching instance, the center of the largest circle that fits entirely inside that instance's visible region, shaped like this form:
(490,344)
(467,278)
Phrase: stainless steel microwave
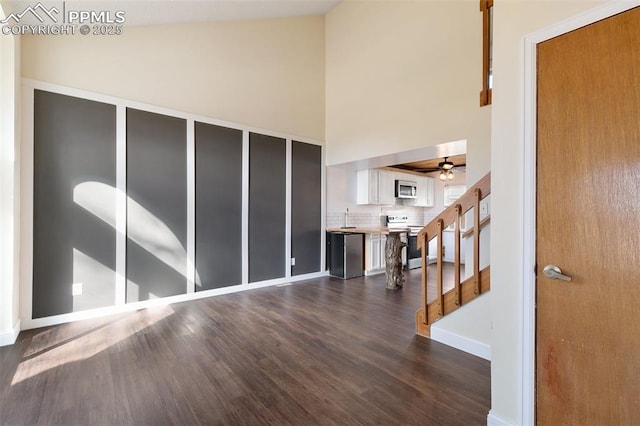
(406,189)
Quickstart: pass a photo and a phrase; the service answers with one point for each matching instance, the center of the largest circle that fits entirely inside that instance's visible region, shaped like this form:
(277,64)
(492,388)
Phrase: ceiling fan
(446,164)
(445,167)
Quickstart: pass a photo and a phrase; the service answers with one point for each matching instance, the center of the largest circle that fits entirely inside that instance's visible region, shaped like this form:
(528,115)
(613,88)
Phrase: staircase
(436,306)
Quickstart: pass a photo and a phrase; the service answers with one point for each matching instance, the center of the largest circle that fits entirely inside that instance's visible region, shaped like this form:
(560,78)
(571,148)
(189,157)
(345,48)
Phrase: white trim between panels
(26,238)
(287,221)
(323,216)
(191,206)
(26,205)
(245,207)
(529,191)
(121,205)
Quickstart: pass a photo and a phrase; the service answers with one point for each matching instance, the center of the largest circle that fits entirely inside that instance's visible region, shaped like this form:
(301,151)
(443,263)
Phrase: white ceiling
(154,12)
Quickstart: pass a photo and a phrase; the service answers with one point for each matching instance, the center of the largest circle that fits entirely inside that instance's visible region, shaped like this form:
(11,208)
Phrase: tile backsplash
(336,219)
(415,216)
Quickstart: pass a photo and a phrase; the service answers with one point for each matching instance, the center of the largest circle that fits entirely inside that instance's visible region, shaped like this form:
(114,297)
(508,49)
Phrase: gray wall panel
(157,205)
(74,204)
(218,206)
(306,207)
(267,207)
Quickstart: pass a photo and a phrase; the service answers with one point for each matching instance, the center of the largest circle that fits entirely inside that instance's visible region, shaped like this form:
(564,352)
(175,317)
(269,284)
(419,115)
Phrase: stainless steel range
(396,221)
(414,254)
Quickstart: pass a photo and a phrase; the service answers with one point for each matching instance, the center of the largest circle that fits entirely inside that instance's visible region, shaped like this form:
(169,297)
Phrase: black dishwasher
(345,254)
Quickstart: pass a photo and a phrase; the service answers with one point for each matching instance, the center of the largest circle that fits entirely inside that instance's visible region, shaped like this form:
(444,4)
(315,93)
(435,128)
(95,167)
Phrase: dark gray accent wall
(156,181)
(218,206)
(306,207)
(74,144)
(267,207)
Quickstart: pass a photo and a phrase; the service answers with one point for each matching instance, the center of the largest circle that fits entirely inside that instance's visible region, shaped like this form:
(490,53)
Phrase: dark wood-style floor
(323,351)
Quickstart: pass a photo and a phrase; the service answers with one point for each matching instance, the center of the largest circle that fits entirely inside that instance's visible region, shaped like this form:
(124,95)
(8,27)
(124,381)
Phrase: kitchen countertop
(370,230)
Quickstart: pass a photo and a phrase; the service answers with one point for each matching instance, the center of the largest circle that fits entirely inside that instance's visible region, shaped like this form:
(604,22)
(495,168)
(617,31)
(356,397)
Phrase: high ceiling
(154,12)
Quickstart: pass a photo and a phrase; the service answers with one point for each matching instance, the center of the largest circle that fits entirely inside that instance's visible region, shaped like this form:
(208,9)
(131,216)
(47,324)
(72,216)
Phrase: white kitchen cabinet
(367,189)
(386,188)
(374,262)
(375,187)
(425,192)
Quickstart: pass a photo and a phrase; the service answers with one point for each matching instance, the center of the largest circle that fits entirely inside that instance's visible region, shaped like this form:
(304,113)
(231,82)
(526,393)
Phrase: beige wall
(9,181)
(513,21)
(266,73)
(403,75)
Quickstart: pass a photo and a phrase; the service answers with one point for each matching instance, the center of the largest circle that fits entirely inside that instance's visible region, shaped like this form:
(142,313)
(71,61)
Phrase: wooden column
(424,254)
(393,261)
(476,240)
(456,264)
(439,269)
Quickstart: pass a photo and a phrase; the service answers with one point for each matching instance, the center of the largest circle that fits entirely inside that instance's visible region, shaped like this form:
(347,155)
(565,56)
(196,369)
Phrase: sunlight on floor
(47,352)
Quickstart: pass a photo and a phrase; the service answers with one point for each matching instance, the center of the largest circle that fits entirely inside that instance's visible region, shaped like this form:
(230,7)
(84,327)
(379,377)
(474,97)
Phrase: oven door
(414,254)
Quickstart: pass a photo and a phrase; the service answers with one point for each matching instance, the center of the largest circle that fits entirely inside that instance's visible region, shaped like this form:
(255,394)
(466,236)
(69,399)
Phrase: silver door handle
(553,272)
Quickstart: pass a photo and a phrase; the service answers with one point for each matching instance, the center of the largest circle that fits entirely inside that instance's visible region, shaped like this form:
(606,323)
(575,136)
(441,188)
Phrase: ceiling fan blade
(428,170)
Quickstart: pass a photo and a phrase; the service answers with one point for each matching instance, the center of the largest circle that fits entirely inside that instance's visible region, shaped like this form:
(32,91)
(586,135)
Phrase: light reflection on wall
(145,229)
(94,284)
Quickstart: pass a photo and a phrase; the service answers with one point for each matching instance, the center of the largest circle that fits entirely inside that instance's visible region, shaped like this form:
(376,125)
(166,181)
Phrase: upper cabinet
(386,188)
(425,192)
(375,187)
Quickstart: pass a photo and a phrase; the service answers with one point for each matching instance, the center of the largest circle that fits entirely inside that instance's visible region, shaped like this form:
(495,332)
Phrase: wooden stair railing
(473,286)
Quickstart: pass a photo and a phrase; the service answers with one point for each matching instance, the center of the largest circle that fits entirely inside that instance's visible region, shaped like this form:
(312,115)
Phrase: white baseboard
(463,343)
(8,337)
(29,323)
(495,420)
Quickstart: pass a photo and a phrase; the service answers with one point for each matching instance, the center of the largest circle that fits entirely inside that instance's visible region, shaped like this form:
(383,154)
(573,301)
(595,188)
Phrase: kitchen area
(366,206)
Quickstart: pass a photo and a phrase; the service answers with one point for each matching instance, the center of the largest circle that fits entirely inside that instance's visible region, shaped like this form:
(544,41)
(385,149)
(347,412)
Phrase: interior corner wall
(513,21)
(267,73)
(402,75)
(9,184)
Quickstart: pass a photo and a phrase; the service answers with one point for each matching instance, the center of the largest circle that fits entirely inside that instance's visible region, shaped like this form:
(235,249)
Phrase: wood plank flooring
(319,352)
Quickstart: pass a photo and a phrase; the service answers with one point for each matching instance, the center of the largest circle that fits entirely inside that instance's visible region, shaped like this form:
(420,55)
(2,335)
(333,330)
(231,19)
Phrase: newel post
(476,241)
(425,248)
(456,265)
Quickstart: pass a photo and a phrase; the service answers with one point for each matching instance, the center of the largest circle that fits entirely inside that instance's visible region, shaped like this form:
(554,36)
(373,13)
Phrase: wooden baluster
(434,230)
(456,266)
(476,241)
(425,248)
(440,269)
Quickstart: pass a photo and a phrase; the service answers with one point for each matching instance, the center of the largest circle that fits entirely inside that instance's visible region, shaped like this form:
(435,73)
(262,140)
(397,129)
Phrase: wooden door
(588,224)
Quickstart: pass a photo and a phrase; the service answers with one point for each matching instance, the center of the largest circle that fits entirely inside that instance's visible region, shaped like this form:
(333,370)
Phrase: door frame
(529,181)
